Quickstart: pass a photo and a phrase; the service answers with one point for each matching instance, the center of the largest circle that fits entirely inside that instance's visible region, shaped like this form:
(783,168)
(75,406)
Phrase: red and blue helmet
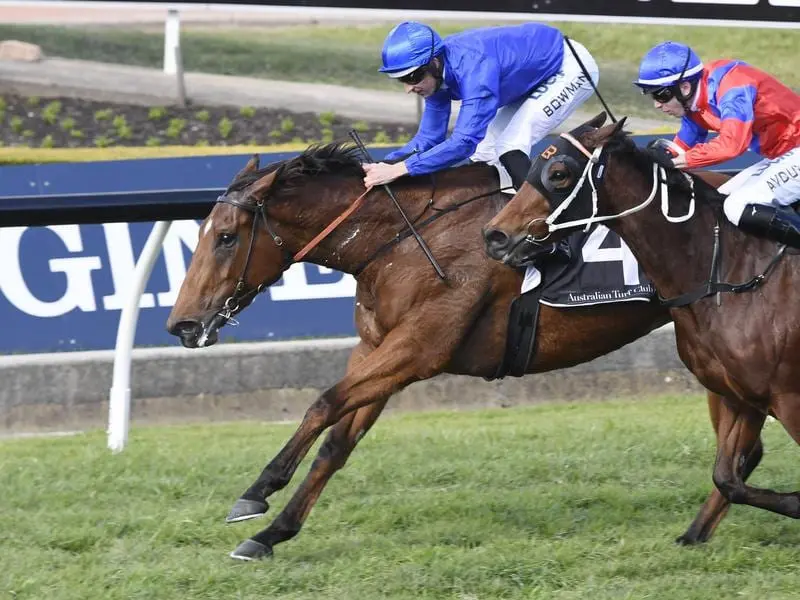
(408,47)
(667,64)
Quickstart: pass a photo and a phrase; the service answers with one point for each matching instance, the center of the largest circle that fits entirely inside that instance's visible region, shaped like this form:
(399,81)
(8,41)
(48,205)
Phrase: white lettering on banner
(593,253)
(80,291)
(120,254)
(78,270)
(120,258)
(296,287)
(181,233)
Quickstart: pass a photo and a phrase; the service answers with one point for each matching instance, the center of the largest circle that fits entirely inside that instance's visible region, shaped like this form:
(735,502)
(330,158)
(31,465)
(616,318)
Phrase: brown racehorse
(412,325)
(744,346)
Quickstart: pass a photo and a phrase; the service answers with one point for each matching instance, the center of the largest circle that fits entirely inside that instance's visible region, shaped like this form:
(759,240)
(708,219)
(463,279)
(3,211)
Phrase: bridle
(593,171)
(241,295)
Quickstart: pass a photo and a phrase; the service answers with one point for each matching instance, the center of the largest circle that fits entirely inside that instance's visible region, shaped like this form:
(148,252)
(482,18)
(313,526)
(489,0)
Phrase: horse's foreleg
(253,502)
(716,506)
(736,445)
(412,352)
(332,456)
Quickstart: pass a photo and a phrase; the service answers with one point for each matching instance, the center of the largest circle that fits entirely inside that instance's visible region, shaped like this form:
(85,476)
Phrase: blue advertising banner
(62,287)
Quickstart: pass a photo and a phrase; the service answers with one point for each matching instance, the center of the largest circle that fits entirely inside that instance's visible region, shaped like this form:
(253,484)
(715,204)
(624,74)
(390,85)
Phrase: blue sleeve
(690,134)
(479,106)
(432,128)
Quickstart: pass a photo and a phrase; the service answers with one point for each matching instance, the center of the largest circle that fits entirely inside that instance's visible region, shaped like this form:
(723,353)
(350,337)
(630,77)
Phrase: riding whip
(357,139)
(589,77)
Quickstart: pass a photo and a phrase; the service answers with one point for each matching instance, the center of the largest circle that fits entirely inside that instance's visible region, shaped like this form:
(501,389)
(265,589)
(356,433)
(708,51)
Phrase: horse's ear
(252,165)
(263,184)
(598,120)
(602,135)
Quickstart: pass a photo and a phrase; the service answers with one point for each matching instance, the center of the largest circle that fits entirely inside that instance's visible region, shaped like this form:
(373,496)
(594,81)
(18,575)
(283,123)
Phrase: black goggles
(661,95)
(414,77)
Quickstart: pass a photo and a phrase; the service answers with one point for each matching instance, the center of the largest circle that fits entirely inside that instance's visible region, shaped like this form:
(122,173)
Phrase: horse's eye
(226,240)
(558,175)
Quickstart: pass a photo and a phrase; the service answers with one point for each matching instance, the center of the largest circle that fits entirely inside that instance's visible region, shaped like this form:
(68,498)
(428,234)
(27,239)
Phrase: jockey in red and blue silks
(751,110)
(515,83)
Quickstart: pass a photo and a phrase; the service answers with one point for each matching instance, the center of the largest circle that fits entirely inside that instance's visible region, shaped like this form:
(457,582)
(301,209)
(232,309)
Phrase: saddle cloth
(601,270)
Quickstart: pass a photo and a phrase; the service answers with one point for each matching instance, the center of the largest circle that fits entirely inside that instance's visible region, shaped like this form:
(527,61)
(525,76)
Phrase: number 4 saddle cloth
(602,270)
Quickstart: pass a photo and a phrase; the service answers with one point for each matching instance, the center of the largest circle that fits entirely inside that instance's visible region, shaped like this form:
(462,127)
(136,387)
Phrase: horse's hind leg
(253,502)
(716,506)
(332,456)
(737,444)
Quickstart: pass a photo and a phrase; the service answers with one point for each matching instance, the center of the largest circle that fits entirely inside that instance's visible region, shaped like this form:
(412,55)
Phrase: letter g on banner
(77,270)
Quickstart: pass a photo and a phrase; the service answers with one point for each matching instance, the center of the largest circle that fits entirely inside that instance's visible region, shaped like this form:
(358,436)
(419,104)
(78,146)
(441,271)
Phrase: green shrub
(403,138)
(225,127)
(67,124)
(33,101)
(16,123)
(203,116)
(3,104)
(287,125)
(48,142)
(381,137)
(119,121)
(201,143)
(175,127)
(360,126)
(76,133)
(28,133)
(104,114)
(153,141)
(326,119)
(275,134)
(247,112)
(156,113)
(103,141)
(50,112)
(327,135)
(125,132)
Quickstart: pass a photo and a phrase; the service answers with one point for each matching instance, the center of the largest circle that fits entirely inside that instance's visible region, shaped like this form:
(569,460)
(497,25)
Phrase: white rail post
(119,402)
(172,41)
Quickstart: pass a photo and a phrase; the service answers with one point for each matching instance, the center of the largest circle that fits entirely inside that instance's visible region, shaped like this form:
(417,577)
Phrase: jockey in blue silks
(515,83)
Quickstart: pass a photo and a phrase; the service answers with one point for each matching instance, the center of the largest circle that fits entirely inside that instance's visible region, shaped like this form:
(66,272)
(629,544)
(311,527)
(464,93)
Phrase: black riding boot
(780,225)
(517,164)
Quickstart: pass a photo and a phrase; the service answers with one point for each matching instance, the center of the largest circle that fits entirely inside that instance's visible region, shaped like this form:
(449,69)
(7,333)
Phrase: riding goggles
(414,77)
(661,95)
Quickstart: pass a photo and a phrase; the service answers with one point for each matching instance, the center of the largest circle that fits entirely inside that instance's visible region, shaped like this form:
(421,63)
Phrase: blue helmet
(408,47)
(668,64)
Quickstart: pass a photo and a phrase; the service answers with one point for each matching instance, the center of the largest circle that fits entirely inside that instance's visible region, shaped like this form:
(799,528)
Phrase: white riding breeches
(775,182)
(522,124)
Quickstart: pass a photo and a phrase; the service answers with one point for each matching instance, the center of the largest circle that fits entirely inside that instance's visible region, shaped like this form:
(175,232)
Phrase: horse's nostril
(186,328)
(496,239)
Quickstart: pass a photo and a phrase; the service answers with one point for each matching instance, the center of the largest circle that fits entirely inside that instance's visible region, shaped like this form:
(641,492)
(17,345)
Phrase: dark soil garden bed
(75,123)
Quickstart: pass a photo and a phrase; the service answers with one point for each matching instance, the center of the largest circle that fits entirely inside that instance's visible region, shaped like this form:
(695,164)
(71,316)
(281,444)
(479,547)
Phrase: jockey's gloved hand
(661,153)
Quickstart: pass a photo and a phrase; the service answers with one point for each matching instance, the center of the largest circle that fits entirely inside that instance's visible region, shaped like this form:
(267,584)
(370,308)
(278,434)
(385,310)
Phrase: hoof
(685,540)
(251,550)
(245,509)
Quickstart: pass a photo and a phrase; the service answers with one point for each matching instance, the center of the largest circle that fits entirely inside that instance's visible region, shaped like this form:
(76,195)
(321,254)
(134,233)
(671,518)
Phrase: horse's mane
(340,159)
(622,143)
